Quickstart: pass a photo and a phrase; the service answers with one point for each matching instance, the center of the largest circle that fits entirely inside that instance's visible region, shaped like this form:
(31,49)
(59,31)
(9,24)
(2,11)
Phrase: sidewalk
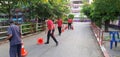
(79,42)
(114,52)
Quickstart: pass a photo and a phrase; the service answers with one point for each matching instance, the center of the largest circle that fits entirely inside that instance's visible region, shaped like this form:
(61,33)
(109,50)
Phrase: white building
(76,6)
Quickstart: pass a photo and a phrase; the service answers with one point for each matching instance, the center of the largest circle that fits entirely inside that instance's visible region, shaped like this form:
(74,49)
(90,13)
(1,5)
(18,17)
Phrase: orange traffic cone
(62,30)
(40,41)
(23,51)
(66,27)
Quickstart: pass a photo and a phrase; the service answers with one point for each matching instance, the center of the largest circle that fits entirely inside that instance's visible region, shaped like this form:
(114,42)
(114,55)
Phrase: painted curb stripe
(105,53)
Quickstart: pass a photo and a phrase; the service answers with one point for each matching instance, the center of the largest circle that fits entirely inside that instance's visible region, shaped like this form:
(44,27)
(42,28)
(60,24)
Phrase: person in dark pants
(50,28)
(14,37)
(59,24)
(70,23)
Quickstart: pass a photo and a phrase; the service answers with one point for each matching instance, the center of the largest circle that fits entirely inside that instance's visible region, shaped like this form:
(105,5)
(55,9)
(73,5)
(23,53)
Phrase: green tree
(86,9)
(6,6)
(71,16)
(108,10)
(37,8)
(102,10)
(48,8)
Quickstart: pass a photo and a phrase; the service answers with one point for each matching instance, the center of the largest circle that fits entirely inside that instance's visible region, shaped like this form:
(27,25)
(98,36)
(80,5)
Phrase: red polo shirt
(70,20)
(59,22)
(50,24)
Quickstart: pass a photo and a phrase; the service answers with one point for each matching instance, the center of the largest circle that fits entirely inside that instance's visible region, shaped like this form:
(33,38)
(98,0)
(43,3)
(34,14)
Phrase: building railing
(25,29)
(3,31)
(98,33)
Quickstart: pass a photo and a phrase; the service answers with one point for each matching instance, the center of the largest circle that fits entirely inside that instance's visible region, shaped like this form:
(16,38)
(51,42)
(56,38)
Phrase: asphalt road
(79,42)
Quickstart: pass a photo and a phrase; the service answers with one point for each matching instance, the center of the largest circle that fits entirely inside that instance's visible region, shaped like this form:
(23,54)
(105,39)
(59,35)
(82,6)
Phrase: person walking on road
(70,23)
(59,24)
(14,37)
(50,29)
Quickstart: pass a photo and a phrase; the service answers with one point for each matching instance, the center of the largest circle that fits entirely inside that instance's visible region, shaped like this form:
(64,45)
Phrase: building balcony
(76,8)
(76,1)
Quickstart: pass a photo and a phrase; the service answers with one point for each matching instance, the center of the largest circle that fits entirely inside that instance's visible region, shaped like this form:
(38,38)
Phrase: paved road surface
(79,42)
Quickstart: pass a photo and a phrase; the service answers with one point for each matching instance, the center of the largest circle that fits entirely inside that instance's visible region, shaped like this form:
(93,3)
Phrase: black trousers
(69,26)
(59,30)
(51,34)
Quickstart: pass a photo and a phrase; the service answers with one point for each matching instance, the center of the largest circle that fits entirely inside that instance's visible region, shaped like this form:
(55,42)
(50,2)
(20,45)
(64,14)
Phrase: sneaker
(59,34)
(56,44)
(46,43)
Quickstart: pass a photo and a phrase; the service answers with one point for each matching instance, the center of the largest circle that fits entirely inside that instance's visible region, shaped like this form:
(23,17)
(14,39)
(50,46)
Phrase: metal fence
(98,33)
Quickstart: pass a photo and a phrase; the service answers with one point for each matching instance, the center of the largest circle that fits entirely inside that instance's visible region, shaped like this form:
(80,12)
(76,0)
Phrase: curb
(104,51)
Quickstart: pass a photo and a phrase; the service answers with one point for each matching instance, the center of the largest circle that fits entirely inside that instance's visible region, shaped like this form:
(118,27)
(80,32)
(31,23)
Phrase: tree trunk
(107,25)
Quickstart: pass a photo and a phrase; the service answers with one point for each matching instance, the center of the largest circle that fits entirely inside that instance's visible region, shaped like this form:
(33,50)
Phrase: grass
(107,38)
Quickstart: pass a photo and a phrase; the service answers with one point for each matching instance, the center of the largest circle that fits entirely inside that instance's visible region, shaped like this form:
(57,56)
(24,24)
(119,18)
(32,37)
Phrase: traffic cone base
(66,27)
(23,51)
(40,41)
(62,30)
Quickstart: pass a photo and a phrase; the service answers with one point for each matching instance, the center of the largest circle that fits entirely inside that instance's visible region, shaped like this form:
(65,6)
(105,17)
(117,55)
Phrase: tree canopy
(102,10)
(37,8)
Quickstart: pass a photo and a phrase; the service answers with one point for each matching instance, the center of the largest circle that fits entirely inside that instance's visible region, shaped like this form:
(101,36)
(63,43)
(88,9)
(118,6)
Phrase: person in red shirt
(50,28)
(70,23)
(59,24)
